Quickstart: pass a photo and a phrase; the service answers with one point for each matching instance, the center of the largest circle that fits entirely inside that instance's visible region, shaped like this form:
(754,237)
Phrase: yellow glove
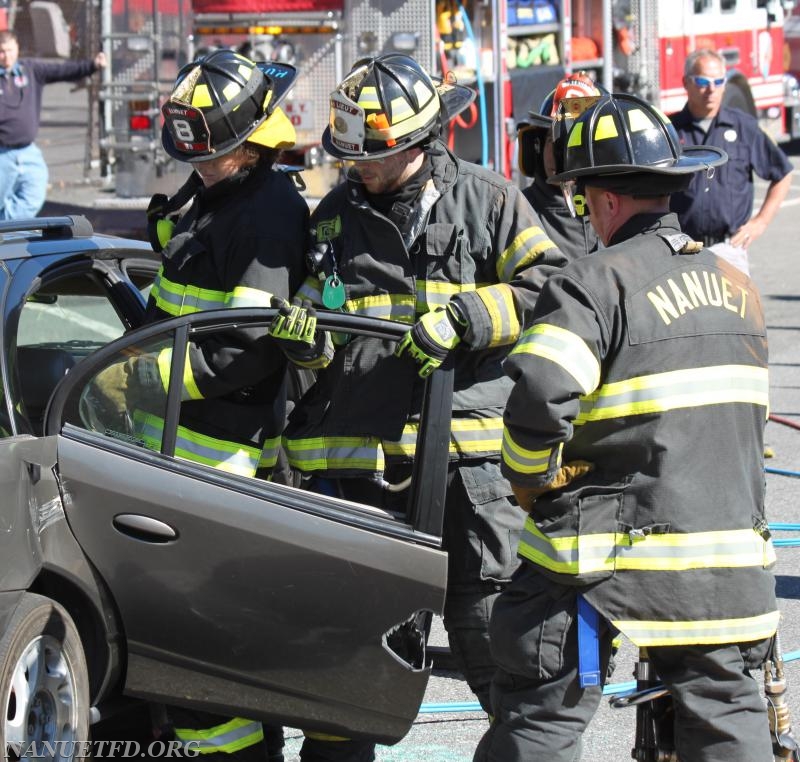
(111,385)
(131,384)
(568,473)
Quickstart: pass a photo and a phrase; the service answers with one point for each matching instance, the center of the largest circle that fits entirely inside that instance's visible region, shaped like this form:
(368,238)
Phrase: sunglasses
(706,81)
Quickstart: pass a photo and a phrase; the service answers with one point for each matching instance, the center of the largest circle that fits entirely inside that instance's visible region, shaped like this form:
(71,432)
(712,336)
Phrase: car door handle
(144,528)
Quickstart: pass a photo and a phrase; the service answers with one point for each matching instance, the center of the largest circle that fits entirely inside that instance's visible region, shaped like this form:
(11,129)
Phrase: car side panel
(256,606)
(19,515)
(48,556)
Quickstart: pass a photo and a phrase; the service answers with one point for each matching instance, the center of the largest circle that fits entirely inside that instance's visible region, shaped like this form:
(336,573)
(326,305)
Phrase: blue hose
(781,471)
(481,89)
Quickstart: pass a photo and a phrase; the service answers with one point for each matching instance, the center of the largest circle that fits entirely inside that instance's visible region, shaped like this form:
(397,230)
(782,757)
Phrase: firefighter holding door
(239,243)
(634,440)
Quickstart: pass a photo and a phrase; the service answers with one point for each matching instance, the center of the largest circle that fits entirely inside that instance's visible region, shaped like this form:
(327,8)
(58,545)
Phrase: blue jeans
(23,182)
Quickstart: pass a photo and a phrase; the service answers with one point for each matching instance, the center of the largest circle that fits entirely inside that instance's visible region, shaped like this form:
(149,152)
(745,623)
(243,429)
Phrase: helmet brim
(282,76)
(453,99)
(331,148)
(692,159)
(538,120)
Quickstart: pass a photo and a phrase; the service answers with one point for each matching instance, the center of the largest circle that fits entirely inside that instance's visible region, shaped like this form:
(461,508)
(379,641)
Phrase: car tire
(44,683)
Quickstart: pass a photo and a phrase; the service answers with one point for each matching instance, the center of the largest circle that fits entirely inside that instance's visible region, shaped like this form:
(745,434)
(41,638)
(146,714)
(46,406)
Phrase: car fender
(56,565)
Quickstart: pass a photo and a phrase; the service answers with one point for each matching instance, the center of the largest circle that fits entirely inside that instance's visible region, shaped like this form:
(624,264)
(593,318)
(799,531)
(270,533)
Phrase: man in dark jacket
(718,210)
(634,440)
(455,251)
(23,171)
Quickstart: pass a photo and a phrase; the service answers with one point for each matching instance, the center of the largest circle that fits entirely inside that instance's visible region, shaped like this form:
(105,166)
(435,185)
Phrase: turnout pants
(540,712)
(213,738)
(481,531)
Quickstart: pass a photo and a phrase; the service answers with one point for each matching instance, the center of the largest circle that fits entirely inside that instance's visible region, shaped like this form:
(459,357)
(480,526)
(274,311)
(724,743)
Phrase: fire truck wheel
(44,684)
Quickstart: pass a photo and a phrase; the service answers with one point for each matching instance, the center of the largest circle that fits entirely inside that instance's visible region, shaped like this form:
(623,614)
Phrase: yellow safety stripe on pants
(226,739)
(524,461)
(324,453)
(269,452)
(618,551)
(522,252)
(233,457)
(181,299)
(189,390)
(314,736)
(707,632)
(677,389)
(499,303)
(468,436)
(433,293)
(564,348)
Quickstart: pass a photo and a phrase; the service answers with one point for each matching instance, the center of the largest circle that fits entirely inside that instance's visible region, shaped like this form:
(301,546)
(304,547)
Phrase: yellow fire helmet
(388,104)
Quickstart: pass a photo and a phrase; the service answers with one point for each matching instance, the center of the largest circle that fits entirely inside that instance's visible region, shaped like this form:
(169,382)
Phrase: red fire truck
(512,51)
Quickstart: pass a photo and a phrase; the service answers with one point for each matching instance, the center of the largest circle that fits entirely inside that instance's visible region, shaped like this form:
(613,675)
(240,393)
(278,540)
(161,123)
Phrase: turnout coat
(649,362)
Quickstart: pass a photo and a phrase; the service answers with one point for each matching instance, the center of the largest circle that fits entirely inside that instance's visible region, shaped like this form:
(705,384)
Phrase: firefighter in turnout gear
(453,250)
(634,441)
(239,244)
(539,160)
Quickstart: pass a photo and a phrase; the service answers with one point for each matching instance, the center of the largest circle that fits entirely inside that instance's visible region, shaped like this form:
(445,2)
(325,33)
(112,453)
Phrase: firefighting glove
(130,385)
(295,322)
(110,385)
(431,339)
(159,226)
(565,475)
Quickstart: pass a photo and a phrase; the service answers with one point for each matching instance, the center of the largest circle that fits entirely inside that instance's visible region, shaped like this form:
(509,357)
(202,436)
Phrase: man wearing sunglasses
(718,210)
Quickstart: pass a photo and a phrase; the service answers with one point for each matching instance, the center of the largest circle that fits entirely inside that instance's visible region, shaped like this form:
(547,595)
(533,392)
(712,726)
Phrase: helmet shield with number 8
(222,100)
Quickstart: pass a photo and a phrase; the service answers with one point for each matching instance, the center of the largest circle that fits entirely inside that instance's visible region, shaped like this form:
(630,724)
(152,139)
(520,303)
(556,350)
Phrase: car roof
(72,234)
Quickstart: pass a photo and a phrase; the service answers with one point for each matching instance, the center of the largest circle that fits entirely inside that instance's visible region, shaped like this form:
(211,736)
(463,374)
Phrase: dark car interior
(75,310)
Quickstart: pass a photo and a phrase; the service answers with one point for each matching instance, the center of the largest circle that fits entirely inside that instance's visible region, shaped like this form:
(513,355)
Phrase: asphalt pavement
(447,728)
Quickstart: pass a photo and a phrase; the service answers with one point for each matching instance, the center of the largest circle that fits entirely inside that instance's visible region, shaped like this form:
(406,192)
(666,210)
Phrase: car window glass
(59,325)
(66,318)
(121,403)
(118,403)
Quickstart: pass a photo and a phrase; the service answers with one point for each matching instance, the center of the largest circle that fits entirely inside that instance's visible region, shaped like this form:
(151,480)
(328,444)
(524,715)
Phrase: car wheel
(44,683)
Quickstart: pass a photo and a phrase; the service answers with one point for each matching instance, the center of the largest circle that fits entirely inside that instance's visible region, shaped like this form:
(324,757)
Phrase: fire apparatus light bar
(273,30)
